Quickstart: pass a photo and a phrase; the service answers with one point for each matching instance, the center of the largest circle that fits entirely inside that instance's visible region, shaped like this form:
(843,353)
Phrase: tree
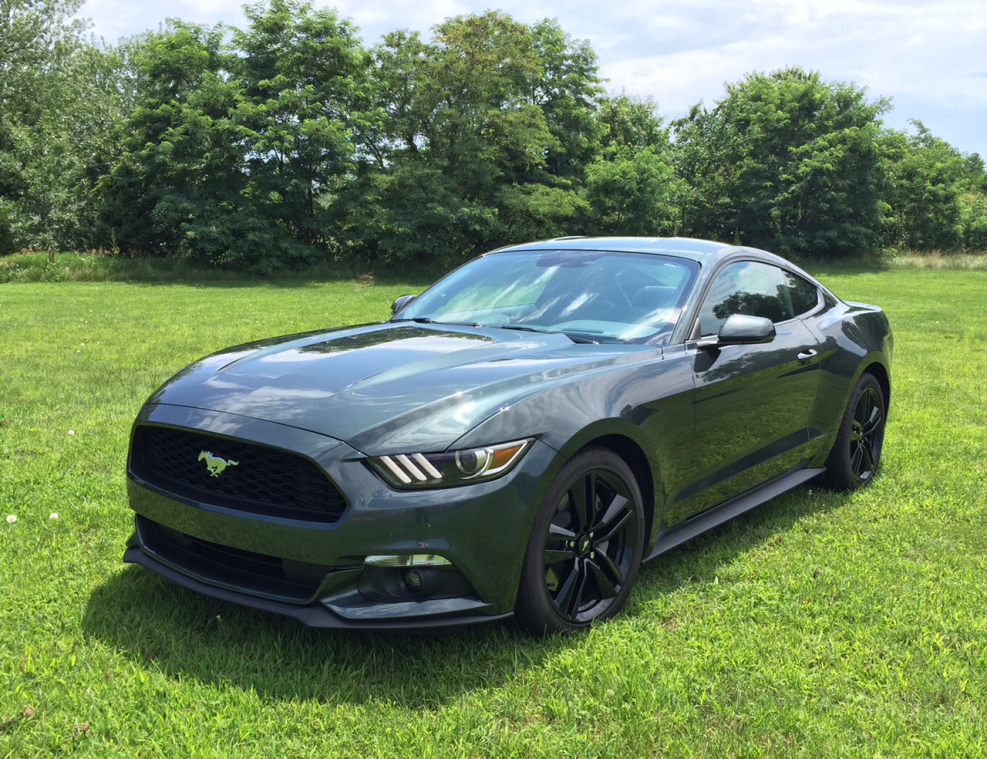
(569,94)
(484,129)
(787,162)
(303,74)
(631,188)
(177,188)
(61,99)
(936,195)
(236,150)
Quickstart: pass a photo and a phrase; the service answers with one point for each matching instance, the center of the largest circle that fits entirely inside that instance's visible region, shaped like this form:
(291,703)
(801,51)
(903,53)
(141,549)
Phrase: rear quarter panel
(854,337)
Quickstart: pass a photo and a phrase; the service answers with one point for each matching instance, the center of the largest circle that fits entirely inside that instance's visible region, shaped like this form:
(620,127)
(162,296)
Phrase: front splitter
(312,615)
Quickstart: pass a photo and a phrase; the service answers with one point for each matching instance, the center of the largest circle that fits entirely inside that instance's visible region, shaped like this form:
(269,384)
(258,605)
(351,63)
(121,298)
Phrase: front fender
(619,409)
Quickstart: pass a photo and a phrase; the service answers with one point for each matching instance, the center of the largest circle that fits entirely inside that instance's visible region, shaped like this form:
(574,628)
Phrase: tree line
(289,142)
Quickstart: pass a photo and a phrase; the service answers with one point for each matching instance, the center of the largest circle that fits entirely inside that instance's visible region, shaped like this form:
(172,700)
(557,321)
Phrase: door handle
(807,355)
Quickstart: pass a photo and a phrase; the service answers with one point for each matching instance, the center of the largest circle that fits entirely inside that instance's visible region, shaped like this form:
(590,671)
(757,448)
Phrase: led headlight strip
(430,470)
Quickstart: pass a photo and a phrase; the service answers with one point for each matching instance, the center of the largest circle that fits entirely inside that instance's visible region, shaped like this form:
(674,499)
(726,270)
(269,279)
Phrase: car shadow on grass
(182,634)
(702,559)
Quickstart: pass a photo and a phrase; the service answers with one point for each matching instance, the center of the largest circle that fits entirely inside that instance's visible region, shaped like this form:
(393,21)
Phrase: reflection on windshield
(592,296)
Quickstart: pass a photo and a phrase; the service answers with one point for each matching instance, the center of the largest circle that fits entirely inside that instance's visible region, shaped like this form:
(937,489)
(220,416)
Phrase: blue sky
(928,57)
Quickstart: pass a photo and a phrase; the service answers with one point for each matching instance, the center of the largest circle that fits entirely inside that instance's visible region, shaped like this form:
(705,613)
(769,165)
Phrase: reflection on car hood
(390,387)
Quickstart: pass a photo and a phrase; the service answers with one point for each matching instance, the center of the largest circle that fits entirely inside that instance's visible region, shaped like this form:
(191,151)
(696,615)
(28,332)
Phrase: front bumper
(481,529)
(315,614)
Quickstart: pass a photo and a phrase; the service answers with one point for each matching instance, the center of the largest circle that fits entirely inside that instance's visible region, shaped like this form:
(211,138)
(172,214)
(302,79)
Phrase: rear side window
(746,287)
(805,296)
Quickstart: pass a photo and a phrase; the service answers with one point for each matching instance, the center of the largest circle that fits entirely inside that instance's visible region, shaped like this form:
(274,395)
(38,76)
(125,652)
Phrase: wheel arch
(637,460)
(880,373)
(624,441)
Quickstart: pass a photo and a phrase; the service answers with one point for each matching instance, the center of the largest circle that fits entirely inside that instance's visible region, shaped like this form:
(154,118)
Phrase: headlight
(436,470)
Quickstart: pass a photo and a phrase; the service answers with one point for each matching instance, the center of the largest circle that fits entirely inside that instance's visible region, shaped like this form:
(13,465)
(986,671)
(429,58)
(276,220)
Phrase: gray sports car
(514,441)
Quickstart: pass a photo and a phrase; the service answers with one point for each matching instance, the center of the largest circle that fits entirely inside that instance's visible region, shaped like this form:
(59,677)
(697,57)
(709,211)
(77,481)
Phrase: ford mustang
(514,441)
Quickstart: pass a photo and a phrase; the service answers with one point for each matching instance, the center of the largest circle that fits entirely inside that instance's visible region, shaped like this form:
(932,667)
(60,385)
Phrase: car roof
(685,247)
(704,252)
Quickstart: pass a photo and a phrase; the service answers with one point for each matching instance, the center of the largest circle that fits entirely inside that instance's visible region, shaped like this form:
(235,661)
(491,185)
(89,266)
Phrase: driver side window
(745,287)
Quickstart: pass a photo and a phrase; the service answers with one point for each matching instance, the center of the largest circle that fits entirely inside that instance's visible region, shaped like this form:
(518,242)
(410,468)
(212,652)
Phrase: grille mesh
(264,480)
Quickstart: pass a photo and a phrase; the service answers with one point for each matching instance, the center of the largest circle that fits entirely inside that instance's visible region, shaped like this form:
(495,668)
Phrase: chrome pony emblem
(215,464)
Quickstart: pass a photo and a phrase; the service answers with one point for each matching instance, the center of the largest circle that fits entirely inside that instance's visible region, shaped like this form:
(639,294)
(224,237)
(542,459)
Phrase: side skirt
(727,510)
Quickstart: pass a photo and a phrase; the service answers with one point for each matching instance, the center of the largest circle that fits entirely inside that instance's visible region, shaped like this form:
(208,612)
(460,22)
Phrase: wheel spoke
(603,583)
(615,522)
(570,595)
(856,458)
(874,421)
(555,532)
(613,511)
(559,545)
(613,572)
(867,456)
(557,555)
(864,404)
(581,496)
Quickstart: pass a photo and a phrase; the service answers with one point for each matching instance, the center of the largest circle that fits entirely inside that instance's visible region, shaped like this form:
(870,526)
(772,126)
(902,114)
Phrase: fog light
(414,580)
(409,560)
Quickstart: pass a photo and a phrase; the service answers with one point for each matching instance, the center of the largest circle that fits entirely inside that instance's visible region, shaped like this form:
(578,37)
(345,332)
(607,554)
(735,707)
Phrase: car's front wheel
(856,453)
(585,547)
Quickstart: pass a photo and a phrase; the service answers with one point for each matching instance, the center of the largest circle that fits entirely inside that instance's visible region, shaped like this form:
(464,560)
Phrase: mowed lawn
(820,624)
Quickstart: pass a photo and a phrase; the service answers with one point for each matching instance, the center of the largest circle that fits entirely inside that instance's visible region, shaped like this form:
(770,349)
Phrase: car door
(752,403)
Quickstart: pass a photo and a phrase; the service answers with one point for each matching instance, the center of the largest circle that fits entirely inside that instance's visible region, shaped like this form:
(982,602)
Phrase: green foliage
(926,189)
(7,244)
(631,123)
(182,174)
(631,193)
(235,149)
(785,162)
(60,100)
(484,136)
(537,211)
(631,187)
(303,74)
(569,94)
(973,218)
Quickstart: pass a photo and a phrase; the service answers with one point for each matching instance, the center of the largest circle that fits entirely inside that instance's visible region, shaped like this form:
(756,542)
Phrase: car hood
(388,387)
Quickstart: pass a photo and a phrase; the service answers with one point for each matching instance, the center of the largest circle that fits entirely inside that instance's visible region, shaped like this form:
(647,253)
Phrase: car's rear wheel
(856,453)
(585,547)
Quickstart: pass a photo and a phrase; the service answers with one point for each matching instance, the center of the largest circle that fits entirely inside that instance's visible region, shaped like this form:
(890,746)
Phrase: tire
(856,454)
(585,547)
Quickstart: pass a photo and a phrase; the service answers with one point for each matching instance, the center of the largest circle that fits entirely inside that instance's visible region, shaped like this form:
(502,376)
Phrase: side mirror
(400,302)
(741,328)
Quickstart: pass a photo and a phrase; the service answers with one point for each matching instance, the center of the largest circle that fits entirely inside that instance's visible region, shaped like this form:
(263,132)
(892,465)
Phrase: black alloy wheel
(586,546)
(856,453)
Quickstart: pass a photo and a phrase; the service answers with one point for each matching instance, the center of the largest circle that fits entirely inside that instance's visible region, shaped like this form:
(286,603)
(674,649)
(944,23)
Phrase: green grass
(820,624)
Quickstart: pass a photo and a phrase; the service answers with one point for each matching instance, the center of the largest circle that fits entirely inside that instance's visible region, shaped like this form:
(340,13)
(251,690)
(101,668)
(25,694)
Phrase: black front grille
(223,565)
(262,481)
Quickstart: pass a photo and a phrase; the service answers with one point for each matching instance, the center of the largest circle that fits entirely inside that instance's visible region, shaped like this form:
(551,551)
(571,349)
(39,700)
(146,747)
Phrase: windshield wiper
(515,327)
(526,328)
(426,320)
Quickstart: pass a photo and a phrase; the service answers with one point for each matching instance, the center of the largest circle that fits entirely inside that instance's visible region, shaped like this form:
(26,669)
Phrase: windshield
(590,295)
